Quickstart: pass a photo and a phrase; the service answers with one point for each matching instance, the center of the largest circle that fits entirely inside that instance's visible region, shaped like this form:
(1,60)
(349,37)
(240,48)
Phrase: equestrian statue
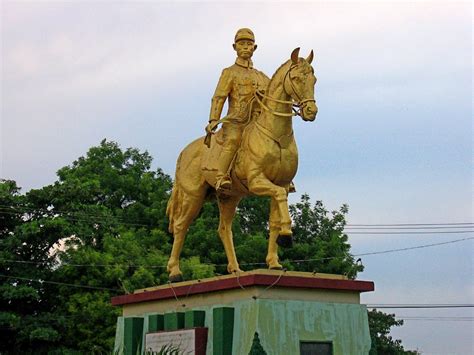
(254,153)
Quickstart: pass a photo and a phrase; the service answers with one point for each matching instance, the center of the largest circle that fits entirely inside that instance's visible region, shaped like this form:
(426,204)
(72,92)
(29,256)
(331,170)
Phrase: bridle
(298,105)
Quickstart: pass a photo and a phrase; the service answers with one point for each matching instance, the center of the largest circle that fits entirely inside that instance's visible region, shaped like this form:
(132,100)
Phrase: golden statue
(253,154)
(238,83)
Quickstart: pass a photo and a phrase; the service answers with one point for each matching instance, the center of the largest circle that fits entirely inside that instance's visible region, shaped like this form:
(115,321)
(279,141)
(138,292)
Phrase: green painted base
(282,326)
(292,313)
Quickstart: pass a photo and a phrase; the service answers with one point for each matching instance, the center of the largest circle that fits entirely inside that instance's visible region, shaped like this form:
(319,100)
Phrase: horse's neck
(278,125)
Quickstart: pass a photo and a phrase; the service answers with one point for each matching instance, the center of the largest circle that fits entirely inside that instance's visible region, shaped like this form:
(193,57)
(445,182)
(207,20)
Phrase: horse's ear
(294,55)
(310,57)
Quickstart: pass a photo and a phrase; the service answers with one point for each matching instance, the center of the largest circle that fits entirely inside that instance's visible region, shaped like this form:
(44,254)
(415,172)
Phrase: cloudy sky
(393,137)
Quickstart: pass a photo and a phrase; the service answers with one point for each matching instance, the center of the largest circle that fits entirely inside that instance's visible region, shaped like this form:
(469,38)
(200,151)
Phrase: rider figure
(237,84)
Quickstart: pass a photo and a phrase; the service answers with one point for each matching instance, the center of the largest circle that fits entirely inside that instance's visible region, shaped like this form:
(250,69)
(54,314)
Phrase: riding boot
(223,181)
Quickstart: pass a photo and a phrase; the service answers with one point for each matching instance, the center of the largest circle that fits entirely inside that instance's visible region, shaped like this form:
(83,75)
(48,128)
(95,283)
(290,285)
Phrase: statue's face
(245,48)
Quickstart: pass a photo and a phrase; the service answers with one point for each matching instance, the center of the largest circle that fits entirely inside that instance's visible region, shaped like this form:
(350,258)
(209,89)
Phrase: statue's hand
(211,127)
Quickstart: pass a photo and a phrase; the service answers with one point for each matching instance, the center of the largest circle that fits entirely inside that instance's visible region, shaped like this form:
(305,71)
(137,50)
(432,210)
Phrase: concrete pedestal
(291,313)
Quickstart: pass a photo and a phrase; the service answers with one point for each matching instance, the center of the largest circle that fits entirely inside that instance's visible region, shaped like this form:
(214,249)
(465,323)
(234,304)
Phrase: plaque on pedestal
(186,341)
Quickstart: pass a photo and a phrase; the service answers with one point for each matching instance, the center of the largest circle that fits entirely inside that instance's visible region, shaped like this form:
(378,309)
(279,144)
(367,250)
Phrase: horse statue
(265,165)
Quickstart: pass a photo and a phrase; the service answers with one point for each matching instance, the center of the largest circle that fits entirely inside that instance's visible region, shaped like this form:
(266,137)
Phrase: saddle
(210,160)
(212,155)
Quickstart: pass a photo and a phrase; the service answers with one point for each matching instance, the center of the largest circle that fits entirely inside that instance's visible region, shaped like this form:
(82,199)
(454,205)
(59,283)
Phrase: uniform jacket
(238,84)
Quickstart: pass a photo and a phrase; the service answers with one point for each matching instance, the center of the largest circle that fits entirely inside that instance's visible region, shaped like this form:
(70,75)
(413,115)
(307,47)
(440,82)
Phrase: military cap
(244,33)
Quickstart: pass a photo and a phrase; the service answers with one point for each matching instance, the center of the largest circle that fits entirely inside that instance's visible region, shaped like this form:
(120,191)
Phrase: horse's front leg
(261,186)
(227,207)
(272,255)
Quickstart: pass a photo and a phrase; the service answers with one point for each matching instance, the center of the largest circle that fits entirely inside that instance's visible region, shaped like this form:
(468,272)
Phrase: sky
(392,139)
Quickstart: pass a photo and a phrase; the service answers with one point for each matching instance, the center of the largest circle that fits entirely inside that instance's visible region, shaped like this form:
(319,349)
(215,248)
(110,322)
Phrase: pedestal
(261,311)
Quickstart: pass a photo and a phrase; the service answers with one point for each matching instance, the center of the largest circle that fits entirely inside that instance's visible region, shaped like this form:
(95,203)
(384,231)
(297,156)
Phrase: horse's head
(299,84)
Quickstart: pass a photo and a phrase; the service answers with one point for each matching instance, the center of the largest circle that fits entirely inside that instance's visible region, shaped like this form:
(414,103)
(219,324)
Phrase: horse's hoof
(285,241)
(276,267)
(176,278)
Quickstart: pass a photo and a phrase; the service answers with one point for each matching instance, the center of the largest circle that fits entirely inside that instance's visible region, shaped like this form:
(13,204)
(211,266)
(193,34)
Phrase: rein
(297,105)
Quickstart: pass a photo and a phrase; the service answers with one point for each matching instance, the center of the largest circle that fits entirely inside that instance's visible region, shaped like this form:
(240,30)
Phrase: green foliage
(257,348)
(319,239)
(382,343)
(253,215)
(166,350)
(25,241)
(100,230)
(101,225)
(203,240)
(251,251)
(193,269)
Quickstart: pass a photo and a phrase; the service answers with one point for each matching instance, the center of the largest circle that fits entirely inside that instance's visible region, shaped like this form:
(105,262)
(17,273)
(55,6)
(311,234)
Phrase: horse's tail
(173,207)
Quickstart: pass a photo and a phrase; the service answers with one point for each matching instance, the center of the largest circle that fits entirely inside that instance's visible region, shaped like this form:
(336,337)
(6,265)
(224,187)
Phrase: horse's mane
(277,72)
(277,76)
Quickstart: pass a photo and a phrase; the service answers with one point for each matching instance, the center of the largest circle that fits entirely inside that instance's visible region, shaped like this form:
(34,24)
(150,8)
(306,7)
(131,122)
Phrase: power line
(119,221)
(421,305)
(436,232)
(81,216)
(408,224)
(438,317)
(407,228)
(110,219)
(416,247)
(61,283)
(435,319)
(378,306)
(99,218)
(53,210)
(249,264)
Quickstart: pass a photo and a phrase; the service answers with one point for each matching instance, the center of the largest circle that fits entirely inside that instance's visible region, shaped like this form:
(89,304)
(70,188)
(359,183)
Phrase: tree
(114,205)
(257,348)
(319,240)
(68,247)
(26,236)
(382,343)
(101,230)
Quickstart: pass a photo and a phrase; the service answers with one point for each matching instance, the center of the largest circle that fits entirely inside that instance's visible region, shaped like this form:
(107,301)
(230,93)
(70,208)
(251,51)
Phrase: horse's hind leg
(189,208)
(227,207)
(272,255)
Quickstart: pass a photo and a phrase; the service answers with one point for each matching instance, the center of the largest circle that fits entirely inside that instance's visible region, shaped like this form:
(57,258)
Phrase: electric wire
(436,318)
(421,305)
(81,216)
(378,306)
(415,247)
(248,264)
(407,228)
(417,232)
(118,220)
(60,283)
(409,224)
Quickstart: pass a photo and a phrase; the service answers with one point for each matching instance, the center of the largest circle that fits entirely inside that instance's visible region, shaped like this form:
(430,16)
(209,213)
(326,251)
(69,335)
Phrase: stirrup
(224,184)
(291,187)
